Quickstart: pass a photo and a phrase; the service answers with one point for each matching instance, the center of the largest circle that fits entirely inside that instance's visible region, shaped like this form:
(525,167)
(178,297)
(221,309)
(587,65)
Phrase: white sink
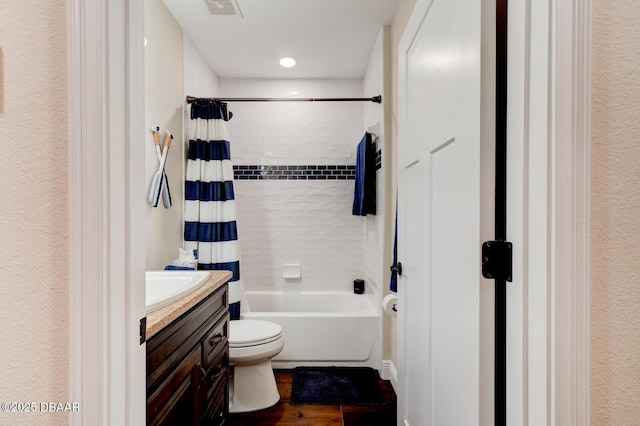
(164,287)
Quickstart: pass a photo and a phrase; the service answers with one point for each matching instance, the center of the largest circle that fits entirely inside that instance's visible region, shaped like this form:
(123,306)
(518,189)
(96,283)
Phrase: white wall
(174,68)
(199,78)
(403,13)
(163,99)
(377,242)
(373,119)
(297,221)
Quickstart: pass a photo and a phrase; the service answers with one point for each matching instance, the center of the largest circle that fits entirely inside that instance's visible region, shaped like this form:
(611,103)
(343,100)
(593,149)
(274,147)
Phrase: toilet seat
(249,333)
(252,341)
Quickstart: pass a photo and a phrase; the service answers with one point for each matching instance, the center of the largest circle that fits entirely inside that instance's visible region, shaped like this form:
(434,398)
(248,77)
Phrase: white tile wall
(306,222)
(280,223)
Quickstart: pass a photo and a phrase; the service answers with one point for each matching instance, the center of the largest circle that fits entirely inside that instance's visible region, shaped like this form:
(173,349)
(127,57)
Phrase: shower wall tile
(276,133)
(297,221)
(278,225)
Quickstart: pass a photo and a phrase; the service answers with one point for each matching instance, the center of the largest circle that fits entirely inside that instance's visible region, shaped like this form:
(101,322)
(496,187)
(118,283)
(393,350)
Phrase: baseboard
(390,373)
(290,365)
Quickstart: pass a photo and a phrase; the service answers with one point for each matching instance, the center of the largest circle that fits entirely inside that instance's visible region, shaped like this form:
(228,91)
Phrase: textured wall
(615,207)
(33,208)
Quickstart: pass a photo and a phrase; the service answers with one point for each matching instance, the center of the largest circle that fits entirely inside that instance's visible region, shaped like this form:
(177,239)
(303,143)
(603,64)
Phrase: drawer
(217,375)
(216,413)
(215,342)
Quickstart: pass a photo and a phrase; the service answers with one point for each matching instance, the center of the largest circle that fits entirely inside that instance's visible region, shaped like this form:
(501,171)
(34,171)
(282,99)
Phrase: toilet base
(254,388)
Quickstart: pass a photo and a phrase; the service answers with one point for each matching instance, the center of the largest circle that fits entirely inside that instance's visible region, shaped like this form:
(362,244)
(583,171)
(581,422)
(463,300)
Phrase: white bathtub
(320,328)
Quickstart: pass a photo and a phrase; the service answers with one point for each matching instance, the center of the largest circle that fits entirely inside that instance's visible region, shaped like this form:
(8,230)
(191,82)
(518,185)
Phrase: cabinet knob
(216,339)
(217,372)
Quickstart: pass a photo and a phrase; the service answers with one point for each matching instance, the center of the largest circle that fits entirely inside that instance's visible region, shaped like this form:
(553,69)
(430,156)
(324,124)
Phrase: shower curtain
(210,207)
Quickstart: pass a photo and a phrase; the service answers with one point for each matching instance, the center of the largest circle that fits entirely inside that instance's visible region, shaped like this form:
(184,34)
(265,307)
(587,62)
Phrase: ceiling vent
(223,8)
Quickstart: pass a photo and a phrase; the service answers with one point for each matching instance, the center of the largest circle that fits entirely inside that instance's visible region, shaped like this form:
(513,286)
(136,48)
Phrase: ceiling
(327,38)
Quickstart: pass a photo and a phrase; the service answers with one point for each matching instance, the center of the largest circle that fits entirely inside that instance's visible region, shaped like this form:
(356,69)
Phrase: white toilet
(252,344)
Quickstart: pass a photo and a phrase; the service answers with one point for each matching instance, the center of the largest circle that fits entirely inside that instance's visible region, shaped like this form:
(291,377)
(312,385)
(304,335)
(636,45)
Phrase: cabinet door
(178,400)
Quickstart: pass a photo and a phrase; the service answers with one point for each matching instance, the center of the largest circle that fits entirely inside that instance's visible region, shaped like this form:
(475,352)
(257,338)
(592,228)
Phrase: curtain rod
(376,99)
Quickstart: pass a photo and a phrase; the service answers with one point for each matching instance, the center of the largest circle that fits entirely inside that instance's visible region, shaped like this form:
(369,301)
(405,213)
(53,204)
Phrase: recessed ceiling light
(287,62)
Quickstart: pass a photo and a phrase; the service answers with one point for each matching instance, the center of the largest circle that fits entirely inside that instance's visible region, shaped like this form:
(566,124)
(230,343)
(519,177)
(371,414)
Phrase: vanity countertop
(160,318)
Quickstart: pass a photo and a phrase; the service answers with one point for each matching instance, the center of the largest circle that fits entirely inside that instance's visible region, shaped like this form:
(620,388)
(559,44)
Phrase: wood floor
(286,414)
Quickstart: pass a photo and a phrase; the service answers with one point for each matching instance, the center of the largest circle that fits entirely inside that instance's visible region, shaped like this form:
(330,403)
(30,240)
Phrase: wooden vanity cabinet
(188,366)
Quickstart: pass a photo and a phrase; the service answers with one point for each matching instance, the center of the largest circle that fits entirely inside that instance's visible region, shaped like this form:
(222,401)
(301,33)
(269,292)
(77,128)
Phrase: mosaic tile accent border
(295,172)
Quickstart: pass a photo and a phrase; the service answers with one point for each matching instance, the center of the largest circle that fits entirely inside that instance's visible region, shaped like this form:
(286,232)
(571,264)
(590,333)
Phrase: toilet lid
(247,332)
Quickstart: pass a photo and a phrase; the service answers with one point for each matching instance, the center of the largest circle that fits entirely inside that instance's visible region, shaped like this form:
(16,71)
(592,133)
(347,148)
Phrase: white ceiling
(328,38)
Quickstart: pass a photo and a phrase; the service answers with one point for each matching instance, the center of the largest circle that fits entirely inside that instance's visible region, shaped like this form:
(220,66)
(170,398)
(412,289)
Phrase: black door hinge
(143,330)
(497,260)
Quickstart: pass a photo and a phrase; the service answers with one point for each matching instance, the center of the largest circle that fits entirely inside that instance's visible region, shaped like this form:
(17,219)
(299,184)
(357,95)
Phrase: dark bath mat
(336,385)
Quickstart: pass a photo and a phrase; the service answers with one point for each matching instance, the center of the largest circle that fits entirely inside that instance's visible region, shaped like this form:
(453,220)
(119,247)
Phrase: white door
(439,214)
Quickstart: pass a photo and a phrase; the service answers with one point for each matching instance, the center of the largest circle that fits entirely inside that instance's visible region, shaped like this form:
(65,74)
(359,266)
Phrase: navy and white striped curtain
(210,206)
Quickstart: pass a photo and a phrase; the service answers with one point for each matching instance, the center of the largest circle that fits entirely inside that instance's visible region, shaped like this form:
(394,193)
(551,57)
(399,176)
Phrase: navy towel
(178,268)
(364,194)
